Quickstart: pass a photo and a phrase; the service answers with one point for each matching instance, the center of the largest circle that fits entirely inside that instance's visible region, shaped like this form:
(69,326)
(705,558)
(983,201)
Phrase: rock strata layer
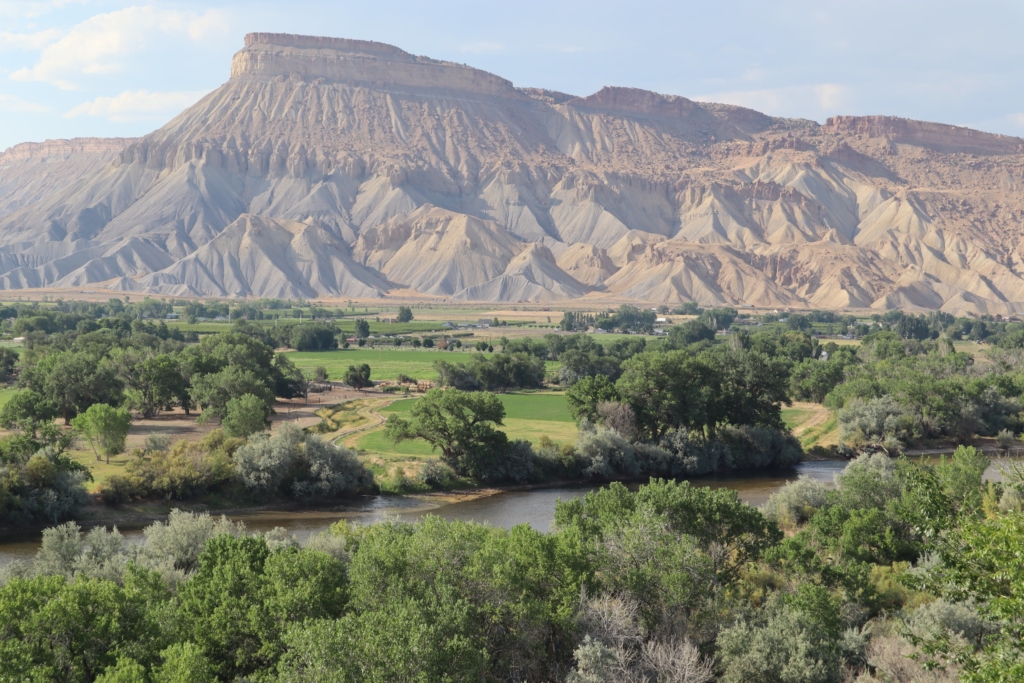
(335,167)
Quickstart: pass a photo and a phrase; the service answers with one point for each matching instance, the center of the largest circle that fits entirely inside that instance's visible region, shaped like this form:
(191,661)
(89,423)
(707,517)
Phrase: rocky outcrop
(63,149)
(334,167)
(938,136)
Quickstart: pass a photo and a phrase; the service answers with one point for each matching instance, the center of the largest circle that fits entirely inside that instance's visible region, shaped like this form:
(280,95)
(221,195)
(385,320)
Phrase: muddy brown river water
(535,507)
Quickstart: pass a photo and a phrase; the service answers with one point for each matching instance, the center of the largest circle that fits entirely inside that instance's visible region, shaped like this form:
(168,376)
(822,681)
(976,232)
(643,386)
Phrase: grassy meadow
(528,416)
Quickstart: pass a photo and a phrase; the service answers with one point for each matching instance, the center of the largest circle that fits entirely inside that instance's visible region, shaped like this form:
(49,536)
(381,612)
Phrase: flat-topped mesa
(61,149)
(938,136)
(359,63)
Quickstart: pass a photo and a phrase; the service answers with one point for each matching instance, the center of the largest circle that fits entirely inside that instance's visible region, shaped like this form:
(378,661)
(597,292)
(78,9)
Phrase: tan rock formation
(344,167)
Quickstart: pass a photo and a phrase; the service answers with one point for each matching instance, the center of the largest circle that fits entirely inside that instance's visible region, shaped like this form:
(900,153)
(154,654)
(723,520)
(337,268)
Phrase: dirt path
(298,412)
(819,414)
(346,435)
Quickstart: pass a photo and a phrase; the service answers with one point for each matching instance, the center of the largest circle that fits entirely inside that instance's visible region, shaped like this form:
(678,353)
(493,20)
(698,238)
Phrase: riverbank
(532,504)
(138,515)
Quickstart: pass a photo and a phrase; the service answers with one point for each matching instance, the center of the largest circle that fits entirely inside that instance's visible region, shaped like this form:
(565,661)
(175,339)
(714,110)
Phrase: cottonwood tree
(105,428)
(246,415)
(460,424)
(358,377)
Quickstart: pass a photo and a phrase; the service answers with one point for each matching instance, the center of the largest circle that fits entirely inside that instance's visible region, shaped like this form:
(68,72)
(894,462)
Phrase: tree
(105,428)
(304,384)
(784,643)
(503,371)
(456,375)
(736,532)
(690,332)
(983,561)
(236,348)
(27,410)
(184,663)
(458,423)
(59,630)
(246,415)
(404,314)
(8,363)
(666,391)
(584,396)
(362,328)
(243,597)
(320,374)
(212,392)
(317,337)
(749,390)
(71,381)
(812,379)
(718,318)
(151,383)
(358,377)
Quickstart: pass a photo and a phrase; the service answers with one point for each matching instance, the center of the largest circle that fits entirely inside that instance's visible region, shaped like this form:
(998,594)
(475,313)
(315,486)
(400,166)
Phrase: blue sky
(73,68)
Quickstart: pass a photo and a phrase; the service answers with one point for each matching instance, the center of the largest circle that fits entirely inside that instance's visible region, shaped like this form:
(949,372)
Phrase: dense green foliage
(105,428)
(499,372)
(901,572)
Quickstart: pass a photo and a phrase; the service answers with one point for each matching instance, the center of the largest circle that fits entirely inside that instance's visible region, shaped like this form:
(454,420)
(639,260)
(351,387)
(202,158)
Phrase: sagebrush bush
(796,502)
(299,465)
(604,454)
(436,475)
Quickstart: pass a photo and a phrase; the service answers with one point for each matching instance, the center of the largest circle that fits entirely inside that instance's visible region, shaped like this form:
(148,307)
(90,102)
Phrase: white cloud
(102,43)
(822,99)
(9,42)
(12,103)
(137,105)
(482,47)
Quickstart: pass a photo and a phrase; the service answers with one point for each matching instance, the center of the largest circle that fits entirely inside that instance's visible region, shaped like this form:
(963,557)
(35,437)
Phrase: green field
(544,407)
(5,395)
(347,326)
(385,363)
(527,416)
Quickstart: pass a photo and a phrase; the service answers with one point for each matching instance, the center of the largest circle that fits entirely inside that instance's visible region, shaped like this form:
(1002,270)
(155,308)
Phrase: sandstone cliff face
(338,167)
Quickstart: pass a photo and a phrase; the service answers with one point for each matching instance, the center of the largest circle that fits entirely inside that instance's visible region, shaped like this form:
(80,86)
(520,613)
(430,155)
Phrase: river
(535,507)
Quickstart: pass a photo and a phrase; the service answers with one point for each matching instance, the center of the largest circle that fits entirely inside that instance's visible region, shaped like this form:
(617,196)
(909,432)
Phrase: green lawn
(385,363)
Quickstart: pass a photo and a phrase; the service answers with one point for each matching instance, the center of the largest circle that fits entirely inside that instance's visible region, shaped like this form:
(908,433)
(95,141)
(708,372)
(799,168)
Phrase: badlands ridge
(344,168)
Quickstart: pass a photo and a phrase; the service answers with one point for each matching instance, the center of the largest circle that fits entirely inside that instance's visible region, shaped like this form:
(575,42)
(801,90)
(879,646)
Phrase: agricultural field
(385,363)
(528,416)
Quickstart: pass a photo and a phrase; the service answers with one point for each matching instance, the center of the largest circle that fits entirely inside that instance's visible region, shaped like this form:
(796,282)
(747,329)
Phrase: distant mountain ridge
(343,168)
